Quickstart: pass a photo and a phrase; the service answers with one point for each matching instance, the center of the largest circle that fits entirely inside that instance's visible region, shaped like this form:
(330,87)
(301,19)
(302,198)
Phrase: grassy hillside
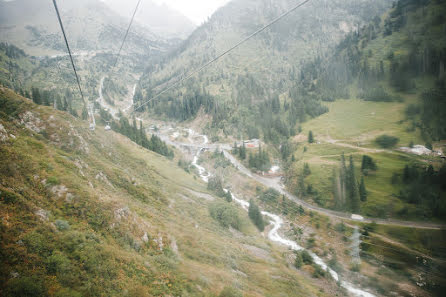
(55,80)
(237,90)
(396,58)
(387,79)
(92,214)
(404,261)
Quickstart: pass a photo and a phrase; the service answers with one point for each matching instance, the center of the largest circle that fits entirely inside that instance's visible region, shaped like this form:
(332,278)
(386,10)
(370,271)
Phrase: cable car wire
(221,55)
(126,34)
(69,50)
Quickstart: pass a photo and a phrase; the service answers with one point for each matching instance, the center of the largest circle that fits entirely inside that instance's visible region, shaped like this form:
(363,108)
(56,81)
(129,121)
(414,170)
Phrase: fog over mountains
(91,25)
(159,18)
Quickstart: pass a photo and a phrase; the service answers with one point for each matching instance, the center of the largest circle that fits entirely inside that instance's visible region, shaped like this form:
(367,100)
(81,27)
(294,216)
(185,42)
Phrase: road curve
(275,184)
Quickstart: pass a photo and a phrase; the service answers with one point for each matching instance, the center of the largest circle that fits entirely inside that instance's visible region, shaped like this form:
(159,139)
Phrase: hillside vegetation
(92,214)
(240,92)
(386,85)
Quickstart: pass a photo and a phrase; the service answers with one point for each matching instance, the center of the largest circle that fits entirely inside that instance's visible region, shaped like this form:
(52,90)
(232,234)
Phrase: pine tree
(368,163)
(84,109)
(228,196)
(255,215)
(306,171)
(352,187)
(242,151)
(362,190)
(135,132)
(343,181)
(65,104)
(45,99)
(310,137)
(72,111)
(142,136)
(59,105)
(36,96)
(235,149)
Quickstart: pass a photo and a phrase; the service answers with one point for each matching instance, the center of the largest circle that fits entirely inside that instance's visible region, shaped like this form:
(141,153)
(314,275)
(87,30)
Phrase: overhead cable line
(405,250)
(222,54)
(69,50)
(416,268)
(126,33)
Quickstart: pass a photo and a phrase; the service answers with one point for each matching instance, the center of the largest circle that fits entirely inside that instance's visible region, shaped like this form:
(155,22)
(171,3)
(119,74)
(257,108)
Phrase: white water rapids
(277,222)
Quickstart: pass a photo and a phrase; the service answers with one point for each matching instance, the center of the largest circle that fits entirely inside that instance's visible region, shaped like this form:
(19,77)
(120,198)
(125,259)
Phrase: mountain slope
(160,19)
(385,80)
(268,64)
(90,26)
(90,213)
(394,58)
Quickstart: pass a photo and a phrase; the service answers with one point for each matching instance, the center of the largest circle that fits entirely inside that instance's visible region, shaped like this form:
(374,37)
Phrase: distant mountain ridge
(267,65)
(90,24)
(161,19)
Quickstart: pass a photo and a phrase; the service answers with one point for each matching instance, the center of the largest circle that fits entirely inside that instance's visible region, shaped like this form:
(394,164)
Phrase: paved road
(275,183)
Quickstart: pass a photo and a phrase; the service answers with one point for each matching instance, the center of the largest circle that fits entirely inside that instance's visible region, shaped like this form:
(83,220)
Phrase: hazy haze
(197,10)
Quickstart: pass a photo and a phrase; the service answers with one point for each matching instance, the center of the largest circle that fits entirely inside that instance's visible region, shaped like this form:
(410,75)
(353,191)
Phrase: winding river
(277,223)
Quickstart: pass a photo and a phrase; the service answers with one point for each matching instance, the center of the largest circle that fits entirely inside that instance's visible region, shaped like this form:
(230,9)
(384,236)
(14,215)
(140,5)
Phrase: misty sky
(196,10)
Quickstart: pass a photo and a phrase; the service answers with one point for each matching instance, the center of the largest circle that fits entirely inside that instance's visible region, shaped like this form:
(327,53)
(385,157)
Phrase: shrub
(356,267)
(368,163)
(306,257)
(8,197)
(334,264)
(318,271)
(340,227)
(230,292)
(225,214)
(412,110)
(58,263)
(69,293)
(299,261)
(38,243)
(26,287)
(310,242)
(215,185)
(386,141)
(377,94)
(52,180)
(270,195)
(62,225)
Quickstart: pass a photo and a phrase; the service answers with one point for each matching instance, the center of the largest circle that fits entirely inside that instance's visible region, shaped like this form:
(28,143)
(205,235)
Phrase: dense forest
(139,135)
(272,118)
(365,64)
(388,58)
(257,94)
(424,187)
